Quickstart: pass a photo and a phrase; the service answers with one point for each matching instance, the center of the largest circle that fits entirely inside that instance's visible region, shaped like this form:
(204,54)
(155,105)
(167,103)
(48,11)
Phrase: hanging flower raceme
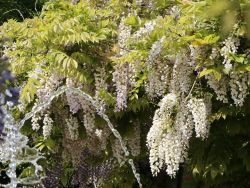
(124,34)
(173,149)
(230,47)
(200,109)
(88,117)
(124,80)
(181,80)
(74,101)
(72,126)
(47,87)
(239,87)
(47,126)
(123,75)
(158,71)
(162,122)
(220,87)
(143,31)
(77,103)
(168,138)
(100,86)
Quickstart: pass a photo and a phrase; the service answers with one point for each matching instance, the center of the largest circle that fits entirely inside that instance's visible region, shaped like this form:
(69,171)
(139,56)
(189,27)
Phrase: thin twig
(15,10)
(35,6)
(191,89)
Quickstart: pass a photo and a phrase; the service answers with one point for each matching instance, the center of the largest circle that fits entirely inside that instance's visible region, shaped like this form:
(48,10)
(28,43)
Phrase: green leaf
(242,67)
(239,58)
(205,72)
(247,68)
(195,171)
(132,20)
(62,59)
(214,173)
(29,90)
(64,180)
(217,74)
(27,172)
(50,144)
(210,39)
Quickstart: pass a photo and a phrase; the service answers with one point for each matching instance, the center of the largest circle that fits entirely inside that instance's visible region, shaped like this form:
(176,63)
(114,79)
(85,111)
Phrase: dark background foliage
(15,9)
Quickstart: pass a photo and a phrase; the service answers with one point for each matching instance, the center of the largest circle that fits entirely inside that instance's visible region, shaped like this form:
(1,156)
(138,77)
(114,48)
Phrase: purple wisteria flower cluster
(8,94)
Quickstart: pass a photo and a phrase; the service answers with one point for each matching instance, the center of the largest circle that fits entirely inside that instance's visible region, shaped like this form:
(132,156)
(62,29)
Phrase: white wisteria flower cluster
(43,93)
(100,85)
(35,122)
(77,103)
(124,74)
(124,34)
(158,71)
(239,87)
(88,117)
(144,31)
(103,136)
(124,80)
(200,109)
(48,86)
(158,78)
(230,47)
(72,126)
(47,126)
(74,101)
(162,122)
(235,85)
(220,87)
(173,124)
(181,81)
(173,148)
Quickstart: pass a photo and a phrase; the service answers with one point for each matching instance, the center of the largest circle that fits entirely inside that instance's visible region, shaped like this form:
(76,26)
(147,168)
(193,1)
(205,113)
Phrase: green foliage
(42,144)
(53,42)
(221,157)
(29,91)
